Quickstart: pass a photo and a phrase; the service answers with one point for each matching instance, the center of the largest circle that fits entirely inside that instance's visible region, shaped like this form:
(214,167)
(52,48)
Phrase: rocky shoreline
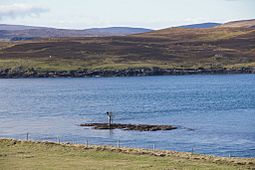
(139,127)
(20,72)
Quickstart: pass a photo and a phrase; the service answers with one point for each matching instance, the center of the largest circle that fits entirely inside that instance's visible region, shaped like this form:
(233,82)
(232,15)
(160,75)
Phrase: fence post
(87,143)
(153,146)
(58,139)
(118,143)
(27,136)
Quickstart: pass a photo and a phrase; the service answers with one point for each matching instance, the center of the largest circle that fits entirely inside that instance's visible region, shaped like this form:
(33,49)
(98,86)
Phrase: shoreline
(140,151)
(248,163)
(20,72)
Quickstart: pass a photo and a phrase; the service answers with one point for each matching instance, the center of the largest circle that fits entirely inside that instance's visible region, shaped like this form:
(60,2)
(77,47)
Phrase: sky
(153,14)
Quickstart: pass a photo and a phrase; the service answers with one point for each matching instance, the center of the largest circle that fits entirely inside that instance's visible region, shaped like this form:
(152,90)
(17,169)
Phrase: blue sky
(155,14)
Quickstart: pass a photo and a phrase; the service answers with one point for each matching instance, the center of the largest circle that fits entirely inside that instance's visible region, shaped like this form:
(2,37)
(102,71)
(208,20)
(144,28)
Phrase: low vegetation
(45,155)
(175,48)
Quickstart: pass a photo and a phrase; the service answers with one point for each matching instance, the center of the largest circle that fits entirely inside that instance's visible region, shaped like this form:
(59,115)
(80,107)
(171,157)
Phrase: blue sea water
(220,110)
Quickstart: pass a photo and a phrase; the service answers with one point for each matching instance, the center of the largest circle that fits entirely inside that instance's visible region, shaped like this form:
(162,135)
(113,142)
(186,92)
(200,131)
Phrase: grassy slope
(31,155)
(169,48)
(243,23)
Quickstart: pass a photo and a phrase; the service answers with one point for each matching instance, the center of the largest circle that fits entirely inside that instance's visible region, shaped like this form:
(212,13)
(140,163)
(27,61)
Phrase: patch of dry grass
(44,155)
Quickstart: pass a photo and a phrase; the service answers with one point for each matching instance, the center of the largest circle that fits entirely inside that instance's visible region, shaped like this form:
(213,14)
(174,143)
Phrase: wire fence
(88,141)
(57,139)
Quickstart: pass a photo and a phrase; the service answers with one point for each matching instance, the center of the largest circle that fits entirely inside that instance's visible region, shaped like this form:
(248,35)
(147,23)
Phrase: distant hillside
(242,23)
(167,51)
(7,27)
(117,30)
(188,33)
(20,32)
(203,25)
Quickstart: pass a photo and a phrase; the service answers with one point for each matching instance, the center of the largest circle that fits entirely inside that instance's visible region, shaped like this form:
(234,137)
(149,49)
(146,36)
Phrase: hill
(122,31)
(20,32)
(167,51)
(202,25)
(8,27)
(241,24)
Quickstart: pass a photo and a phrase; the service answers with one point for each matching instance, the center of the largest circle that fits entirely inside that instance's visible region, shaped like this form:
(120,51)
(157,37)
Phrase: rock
(22,72)
(129,126)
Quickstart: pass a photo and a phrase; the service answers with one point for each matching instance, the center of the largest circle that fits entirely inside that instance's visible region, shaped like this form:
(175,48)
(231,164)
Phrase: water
(220,109)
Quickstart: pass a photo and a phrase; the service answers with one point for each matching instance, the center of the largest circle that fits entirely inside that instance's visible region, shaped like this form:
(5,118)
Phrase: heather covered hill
(8,27)
(20,32)
(240,24)
(173,48)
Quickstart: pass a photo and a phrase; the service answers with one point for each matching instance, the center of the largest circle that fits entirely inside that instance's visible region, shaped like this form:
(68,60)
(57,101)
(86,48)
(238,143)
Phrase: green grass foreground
(45,155)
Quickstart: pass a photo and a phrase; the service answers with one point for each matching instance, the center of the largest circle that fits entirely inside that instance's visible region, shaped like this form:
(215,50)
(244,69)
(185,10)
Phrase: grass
(108,63)
(43,155)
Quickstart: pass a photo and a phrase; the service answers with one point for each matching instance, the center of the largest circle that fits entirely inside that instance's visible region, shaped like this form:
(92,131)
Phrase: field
(44,155)
(174,48)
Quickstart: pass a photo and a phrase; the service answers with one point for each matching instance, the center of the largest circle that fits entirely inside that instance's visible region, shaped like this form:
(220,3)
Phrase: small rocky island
(134,127)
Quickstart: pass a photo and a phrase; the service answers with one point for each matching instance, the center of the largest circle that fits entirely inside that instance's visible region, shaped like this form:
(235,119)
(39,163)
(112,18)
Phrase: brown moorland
(173,48)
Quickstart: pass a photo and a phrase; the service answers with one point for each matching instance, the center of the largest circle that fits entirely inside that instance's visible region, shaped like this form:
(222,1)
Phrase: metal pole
(110,121)
(27,136)
(87,142)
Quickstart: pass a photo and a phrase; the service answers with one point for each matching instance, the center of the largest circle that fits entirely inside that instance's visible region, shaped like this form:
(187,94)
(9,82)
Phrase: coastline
(20,72)
(11,144)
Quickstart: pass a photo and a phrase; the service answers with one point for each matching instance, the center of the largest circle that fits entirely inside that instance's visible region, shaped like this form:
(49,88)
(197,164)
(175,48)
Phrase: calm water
(220,109)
